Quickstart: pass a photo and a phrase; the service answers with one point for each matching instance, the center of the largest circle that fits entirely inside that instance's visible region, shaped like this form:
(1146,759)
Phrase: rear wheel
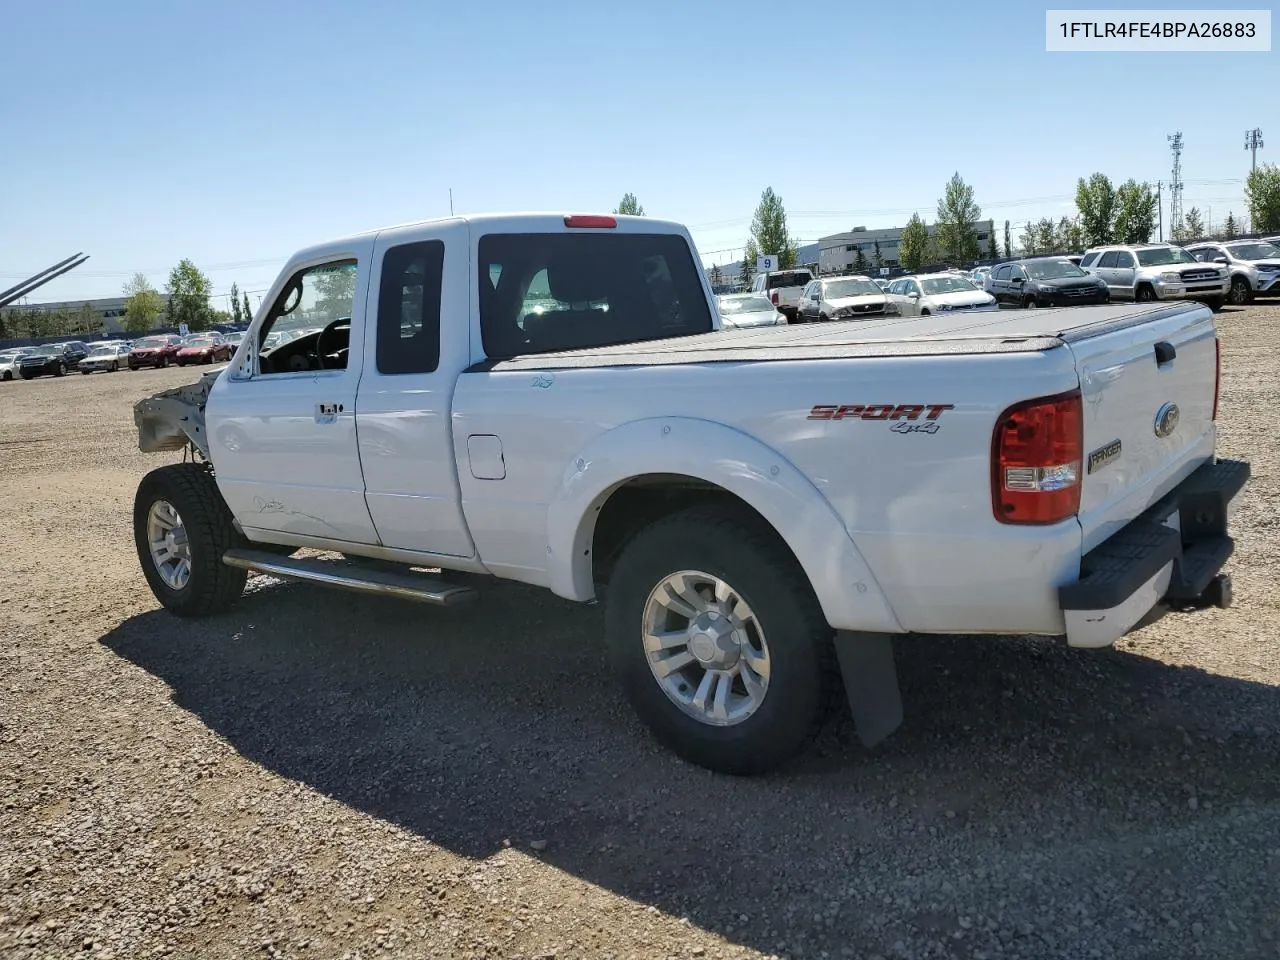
(1240,292)
(181,528)
(719,642)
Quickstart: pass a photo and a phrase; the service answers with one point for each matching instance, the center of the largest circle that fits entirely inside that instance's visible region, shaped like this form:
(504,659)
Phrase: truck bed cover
(1011,331)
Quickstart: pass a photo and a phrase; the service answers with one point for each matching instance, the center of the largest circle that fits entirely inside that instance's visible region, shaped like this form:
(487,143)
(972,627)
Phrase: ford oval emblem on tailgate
(1166,420)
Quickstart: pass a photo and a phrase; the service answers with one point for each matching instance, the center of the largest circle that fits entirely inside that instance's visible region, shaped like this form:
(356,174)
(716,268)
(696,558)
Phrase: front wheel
(1030,303)
(164,363)
(85,372)
(719,642)
(115,367)
(8,375)
(61,371)
(181,528)
(1240,292)
(1145,294)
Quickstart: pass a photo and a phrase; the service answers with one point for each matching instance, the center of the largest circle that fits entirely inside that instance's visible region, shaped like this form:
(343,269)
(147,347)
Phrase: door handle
(327,412)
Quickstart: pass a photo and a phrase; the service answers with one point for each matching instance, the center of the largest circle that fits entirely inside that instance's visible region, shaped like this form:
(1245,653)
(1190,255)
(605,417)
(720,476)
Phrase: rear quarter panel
(917,503)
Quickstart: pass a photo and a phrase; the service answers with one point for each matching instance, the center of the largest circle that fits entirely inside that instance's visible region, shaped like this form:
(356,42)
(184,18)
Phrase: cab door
(417,342)
(282,426)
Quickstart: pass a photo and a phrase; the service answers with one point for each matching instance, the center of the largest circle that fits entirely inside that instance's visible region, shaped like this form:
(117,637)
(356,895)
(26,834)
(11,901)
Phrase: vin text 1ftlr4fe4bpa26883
(551,399)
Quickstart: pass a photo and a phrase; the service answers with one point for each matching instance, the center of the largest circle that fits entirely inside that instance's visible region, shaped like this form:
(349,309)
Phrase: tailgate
(1148,393)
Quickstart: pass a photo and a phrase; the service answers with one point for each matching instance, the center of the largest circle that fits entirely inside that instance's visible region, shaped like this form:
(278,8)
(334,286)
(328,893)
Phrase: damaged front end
(174,419)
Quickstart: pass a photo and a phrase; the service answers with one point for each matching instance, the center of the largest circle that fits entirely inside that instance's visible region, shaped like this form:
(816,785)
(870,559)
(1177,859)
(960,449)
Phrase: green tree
(1068,237)
(188,291)
(1008,241)
(142,305)
(60,323)
(236,316)
(1262,192)
(1096,201)
(744,275)
(335,292)
(86,320)
(1229,228)
(716,278)
(958,215)
(1193,225)
(913,246)
(245,309)
(769,230)
(877,258)
(993,244)
(1136,212)
(859,260)
(629,206)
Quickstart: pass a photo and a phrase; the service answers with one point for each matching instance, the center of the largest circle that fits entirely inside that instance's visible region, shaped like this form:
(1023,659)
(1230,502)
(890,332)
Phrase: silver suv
(1254,265)
(1157,271)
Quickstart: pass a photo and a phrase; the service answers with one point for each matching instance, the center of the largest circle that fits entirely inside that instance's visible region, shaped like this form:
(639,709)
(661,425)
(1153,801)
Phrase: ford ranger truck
(548,399)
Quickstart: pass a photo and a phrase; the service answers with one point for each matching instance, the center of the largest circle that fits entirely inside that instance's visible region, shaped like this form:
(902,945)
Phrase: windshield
(149,343)
(1259,250)
(851,288)
(1052,269)
(936,285)
(199,341)
(45,351)
(102,351)
(796,278)
(728,307)
(1159,256)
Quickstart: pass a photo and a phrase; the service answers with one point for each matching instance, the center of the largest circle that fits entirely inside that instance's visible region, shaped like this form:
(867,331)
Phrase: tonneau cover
(1005,331)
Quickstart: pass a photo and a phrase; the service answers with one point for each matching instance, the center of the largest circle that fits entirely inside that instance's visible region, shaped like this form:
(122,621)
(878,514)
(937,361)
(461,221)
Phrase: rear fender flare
(844,584)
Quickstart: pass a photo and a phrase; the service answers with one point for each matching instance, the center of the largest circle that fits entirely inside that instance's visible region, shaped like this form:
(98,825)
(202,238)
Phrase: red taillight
(773,297)
(590,220)
(1217,374)
(1036,455)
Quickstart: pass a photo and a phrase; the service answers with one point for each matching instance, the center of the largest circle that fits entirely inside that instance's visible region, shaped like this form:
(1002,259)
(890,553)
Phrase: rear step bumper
(407,586)
(1172,554)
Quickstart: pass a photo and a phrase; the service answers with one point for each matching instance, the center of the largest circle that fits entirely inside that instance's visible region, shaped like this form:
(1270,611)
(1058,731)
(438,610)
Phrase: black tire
(61,371)
(734,546)
(85,372)
(115,367)
(164,363)
(8,375)
(1215,305)
(1240,293)
(1145,293)
(27,376)
(823,317)
(212,586)
(1029,303)
(924,313)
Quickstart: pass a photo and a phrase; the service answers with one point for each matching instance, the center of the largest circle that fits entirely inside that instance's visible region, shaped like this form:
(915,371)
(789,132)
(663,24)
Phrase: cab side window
(309,325)
(409,308)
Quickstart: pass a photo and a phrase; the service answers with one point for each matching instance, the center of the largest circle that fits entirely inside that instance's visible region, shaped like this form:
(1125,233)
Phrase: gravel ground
(326,775)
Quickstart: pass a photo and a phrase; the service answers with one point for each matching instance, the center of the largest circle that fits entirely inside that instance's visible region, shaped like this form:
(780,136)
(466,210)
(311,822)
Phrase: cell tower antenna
(1175,184)
(1253,143)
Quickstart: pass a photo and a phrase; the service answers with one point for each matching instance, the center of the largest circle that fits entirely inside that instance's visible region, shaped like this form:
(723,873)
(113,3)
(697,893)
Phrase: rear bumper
(1170,555)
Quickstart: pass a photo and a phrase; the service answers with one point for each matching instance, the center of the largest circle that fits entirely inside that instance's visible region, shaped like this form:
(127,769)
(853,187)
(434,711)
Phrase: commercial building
(839,252)
(108,311)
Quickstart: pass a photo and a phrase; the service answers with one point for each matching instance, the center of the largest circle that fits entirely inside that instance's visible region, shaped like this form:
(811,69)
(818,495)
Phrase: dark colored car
(53,359)
(204,348)
(1045,282)
(154,351)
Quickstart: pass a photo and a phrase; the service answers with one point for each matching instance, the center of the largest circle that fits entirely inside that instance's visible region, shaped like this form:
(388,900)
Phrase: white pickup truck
(550,399)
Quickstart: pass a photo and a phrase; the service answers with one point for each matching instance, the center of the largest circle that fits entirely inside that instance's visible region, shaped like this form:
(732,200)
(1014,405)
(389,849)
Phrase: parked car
(1157,271)
(105,356)
(930,293)
(1254,266)
(782,288)
(978,277)
(748,310)
(1045,282)
(754,525)
(842,298)
(53,359)
(203,348)
(234,339)
(880,282)
(158,351)
(9,361)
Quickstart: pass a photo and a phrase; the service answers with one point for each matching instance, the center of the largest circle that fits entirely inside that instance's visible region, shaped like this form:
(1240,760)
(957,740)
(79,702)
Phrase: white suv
(1254,266)
(1157,271)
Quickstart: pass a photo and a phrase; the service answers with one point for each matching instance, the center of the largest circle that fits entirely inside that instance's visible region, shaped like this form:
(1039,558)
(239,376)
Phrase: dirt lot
(322,775)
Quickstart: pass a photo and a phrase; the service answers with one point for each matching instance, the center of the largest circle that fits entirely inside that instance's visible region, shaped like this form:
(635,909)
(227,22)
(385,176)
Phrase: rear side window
(1088,260)
(409,308)
(1109,259)
(544,292)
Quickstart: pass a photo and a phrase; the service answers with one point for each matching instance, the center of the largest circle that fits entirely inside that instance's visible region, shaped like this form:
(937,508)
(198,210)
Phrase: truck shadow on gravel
(1071,787)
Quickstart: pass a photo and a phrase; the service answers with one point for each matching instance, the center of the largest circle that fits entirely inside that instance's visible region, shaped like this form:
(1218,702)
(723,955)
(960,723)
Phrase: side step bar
(407,586)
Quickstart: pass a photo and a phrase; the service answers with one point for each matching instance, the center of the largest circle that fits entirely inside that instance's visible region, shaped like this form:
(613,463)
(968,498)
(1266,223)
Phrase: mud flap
(870,683)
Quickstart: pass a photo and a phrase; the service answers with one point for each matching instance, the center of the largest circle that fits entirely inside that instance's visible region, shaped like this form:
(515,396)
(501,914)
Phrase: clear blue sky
(233,133)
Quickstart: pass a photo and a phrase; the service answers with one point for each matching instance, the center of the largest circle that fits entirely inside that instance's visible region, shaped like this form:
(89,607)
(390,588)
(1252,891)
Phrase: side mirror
(913,295)
(1018,280)
(1219,259)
